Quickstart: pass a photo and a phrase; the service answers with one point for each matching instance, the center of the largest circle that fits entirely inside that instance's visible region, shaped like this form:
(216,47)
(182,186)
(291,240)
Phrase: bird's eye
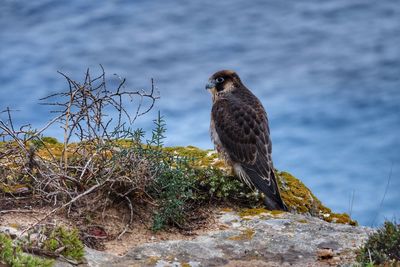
(219,80)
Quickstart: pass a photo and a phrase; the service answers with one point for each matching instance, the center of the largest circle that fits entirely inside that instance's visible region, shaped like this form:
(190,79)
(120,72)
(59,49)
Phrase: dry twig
(93,160)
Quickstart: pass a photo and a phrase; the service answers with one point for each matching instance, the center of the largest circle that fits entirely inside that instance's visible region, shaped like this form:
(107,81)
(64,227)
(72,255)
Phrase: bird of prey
(240,132)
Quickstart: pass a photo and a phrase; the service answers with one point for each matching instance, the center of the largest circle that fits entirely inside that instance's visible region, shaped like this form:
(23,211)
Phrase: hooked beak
(210,85)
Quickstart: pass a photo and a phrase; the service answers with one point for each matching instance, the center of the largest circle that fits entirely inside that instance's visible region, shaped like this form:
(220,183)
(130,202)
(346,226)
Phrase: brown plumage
(239,129)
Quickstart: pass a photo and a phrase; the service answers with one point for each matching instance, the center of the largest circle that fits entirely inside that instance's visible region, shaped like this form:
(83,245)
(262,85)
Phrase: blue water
(327,72)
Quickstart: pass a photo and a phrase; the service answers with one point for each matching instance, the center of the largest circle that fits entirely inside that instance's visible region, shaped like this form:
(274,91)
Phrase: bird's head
(223,81)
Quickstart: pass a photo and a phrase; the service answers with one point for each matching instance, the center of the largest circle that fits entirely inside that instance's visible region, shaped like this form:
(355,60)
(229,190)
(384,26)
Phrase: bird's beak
(210,85)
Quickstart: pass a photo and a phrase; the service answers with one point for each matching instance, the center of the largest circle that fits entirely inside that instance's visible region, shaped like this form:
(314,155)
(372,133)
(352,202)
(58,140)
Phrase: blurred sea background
(327,72)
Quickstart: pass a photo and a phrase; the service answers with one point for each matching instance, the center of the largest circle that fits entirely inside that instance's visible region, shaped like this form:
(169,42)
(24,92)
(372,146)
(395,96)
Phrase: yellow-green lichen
(152,260)
(199,157)
(246,214)
(294,193)
(252,212)
(276,212)
(245,235)
(226,209)
(299,198)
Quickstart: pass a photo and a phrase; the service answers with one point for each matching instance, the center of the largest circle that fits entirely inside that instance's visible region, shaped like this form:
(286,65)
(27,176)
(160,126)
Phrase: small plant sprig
(158,133)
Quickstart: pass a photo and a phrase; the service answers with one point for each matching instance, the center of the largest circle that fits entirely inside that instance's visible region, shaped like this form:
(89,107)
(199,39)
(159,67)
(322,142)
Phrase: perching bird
(239,129)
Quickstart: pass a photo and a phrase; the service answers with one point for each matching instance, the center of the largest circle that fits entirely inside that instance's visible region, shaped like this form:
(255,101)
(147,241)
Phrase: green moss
(13,256)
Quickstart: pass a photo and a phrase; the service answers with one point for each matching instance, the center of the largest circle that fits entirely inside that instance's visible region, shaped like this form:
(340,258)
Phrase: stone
(290,240)
(11,231)
(325,253)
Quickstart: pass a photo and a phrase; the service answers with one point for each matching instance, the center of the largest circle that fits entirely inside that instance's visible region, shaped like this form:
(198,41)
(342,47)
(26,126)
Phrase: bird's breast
(214,134)
(217,142)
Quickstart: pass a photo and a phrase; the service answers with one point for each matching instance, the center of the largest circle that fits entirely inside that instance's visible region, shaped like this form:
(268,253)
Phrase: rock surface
(261,240)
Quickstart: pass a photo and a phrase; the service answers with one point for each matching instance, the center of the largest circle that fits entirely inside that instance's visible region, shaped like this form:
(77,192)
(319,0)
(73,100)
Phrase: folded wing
(243,132)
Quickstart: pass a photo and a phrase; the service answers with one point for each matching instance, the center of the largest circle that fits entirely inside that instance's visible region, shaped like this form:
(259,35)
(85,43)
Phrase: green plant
(180,188)
(13,255)
(50,140)
(173,184)
(67,241)
(218,186)
(382,247)
(174,187)
(34,137)
(158,133)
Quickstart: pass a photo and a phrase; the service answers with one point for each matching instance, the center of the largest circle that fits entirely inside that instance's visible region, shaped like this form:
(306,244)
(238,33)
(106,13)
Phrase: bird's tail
(269,187)
(272,205)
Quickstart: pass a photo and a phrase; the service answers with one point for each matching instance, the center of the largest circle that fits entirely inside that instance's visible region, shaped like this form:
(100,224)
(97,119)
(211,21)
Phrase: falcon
(240,132)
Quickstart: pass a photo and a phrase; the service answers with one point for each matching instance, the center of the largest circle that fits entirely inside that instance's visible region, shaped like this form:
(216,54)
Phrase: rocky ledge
(260,239)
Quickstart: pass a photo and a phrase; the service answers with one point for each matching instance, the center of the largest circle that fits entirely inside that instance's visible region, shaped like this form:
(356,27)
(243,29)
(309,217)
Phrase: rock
(97,258)
(248,238)
(261,240)
(325,253)
(11,231)
(93,258)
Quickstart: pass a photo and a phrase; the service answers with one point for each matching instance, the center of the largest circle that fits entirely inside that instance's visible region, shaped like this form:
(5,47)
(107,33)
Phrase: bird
(240,132)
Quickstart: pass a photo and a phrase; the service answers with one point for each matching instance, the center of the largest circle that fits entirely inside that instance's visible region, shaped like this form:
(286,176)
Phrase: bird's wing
(240,129)
(244,133)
